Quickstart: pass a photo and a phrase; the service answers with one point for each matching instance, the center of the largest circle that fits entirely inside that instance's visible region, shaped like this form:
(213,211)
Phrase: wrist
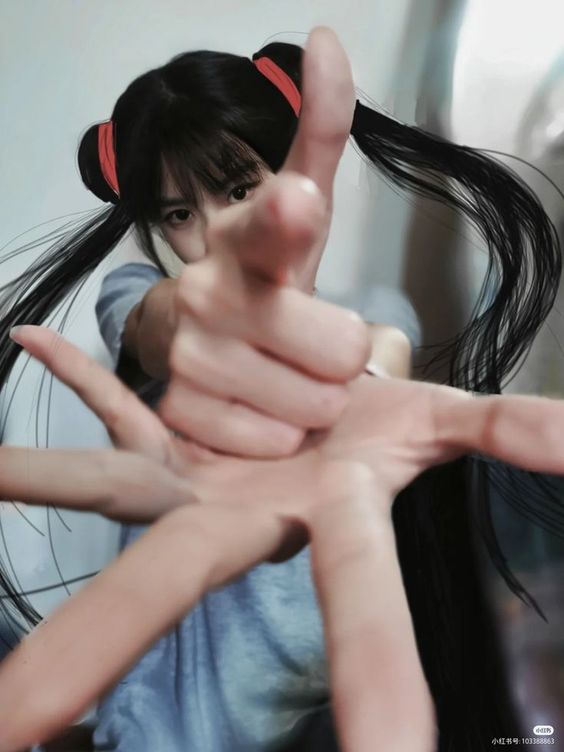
(391,352)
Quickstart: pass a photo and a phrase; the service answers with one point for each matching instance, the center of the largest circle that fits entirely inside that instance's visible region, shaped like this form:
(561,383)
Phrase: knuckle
(196,290)
(183,411)
(328,404)
(185,353)
(286,440)
(207,361)
(330,135)
(115,408)
(354,348)
(167,408)
(254,435)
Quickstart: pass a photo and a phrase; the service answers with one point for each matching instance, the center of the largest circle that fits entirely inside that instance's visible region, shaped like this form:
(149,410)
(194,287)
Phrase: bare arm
(391,350)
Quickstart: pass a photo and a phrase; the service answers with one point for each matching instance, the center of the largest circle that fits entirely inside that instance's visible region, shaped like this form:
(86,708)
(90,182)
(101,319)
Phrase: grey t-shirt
(245,671)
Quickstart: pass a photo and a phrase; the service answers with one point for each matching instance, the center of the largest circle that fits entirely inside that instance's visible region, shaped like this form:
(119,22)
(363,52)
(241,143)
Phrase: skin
(290,217)
(219,515)
(173,338)
(281,380)
(152,325)
(337,491)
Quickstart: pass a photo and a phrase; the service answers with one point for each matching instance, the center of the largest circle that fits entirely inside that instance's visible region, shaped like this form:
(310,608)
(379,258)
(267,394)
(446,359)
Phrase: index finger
(129,422)
(280,235)
(328,100)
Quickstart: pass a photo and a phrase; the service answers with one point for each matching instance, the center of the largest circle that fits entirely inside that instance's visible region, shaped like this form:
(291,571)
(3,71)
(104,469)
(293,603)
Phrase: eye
(241,192)
(178,217)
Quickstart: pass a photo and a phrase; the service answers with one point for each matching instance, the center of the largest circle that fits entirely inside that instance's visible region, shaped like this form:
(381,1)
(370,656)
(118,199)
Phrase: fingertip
(333,400)
(329,67)
(20,331)
(321,33)
(165,411)
(296,205)
(354,350)
(283,440)
(15,333)
(284,222)
(28,335)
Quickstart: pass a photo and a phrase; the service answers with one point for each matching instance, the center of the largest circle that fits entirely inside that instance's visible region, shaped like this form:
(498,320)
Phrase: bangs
(211,164)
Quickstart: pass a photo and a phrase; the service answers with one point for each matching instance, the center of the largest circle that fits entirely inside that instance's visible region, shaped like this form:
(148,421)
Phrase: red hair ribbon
(107,155)
(282,81)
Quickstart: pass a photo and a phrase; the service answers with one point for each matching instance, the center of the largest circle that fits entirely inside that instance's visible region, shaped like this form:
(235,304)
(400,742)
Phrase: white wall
(508,95)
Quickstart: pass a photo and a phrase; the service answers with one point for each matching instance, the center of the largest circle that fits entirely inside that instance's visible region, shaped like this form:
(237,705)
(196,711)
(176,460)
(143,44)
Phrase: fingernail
(308,185)
(13,333)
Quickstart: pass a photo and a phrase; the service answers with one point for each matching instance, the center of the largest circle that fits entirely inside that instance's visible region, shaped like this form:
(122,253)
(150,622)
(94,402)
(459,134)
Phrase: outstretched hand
(236,512)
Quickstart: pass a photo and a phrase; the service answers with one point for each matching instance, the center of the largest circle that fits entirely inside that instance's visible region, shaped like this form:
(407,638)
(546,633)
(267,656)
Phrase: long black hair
(208,117)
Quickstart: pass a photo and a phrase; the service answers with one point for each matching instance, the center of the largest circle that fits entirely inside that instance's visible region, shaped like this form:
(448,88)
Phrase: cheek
(186,245)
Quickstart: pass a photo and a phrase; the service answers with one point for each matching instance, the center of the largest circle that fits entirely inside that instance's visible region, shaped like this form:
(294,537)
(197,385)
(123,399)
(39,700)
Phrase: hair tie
(107,155)
(282,81)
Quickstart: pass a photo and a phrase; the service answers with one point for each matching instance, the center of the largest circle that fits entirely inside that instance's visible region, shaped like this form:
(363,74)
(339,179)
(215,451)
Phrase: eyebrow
(166,201)
(246,173)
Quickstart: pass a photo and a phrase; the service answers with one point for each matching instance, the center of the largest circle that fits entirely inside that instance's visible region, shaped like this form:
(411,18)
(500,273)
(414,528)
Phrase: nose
(211,213)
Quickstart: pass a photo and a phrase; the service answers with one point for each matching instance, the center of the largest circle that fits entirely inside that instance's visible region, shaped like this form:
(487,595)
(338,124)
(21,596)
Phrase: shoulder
(130,281)
(132,274)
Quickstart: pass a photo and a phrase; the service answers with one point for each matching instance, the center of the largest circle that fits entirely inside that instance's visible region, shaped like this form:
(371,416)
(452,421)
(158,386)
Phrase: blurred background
(487,73)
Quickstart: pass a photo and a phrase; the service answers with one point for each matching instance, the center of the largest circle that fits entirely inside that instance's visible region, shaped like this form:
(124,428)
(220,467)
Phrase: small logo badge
(543,730)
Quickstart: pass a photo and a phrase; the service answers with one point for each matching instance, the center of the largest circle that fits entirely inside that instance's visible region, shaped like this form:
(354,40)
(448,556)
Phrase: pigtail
(37,292)
(437,516)
(524,254)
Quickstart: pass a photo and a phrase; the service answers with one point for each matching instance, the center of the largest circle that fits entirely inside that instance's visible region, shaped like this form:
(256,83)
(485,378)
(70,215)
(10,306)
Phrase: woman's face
(184,226)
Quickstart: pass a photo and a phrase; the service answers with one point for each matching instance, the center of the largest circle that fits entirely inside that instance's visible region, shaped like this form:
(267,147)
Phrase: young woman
(208,119)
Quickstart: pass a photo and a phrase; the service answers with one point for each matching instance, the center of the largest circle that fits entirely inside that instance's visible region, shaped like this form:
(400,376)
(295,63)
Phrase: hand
(339,488)
(252,361)
(223,540)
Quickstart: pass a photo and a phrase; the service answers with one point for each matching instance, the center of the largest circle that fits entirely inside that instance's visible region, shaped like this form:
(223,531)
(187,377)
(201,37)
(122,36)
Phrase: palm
(390,427)
(340,486)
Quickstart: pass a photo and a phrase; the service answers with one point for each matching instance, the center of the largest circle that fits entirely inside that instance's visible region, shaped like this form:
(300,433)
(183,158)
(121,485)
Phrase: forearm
(391,350)
(149,329)
(376,672)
